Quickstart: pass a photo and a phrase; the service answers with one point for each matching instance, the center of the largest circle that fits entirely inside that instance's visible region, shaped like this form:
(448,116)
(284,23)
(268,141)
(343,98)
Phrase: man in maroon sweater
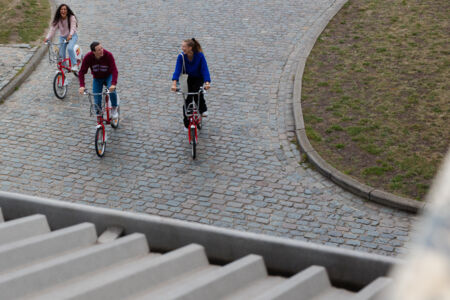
(104,70)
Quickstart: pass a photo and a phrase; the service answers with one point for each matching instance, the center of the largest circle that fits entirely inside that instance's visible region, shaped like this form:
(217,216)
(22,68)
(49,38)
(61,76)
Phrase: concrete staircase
(72,263)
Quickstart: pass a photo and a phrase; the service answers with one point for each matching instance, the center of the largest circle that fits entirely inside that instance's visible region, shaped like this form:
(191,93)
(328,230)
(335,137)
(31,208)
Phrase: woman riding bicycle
(67,24)
(193,62)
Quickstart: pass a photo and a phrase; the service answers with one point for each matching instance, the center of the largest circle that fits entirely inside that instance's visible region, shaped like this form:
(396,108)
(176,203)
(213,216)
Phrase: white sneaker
(75,69)
(114,113)
(205,114)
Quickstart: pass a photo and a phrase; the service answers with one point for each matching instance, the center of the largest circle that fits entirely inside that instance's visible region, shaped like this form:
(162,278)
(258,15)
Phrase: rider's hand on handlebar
(81,90)
(207,85)
(112,88)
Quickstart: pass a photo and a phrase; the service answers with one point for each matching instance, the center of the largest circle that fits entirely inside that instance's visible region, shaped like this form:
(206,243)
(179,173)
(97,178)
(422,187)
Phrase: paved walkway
(247,175)
(12,59)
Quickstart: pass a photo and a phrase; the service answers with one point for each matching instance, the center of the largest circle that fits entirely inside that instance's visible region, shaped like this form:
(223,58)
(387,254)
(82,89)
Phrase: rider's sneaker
(205,114)
(75,69)
(114,113)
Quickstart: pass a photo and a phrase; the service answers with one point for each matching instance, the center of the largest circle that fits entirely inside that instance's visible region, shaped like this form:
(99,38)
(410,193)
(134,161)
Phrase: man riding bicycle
(104,72)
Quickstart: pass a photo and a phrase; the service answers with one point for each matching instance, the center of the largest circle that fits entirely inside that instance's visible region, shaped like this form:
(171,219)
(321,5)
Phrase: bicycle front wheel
(100,142)
(59,87)
(193,143)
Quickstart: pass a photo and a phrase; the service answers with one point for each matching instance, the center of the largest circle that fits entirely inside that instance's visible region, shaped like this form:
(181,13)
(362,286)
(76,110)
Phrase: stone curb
(17,80)
(344,181)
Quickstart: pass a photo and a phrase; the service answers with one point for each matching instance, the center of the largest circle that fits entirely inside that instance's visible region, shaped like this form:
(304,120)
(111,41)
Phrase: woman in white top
(66,22)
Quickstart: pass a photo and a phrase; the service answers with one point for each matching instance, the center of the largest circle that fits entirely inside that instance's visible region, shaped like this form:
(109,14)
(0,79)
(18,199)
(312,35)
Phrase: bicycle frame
(53,57)
(106,107)
(100,140)
(192,112)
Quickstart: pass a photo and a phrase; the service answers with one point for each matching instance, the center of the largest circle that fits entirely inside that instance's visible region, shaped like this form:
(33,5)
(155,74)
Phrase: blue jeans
(69,47)
(97,86)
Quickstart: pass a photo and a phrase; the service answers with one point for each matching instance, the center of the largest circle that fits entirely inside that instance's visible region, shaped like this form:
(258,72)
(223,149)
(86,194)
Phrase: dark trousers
(194,84)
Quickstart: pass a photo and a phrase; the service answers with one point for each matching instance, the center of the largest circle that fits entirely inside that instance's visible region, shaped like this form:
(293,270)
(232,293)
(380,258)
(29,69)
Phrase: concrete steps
(22,228)
(133,276)
(256,288)
(374,289)
(29,250)
(214,284)
(72,263)
(41,275)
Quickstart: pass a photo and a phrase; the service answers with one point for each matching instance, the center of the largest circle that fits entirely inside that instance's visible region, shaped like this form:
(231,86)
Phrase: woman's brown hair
(58,15)
(194,44)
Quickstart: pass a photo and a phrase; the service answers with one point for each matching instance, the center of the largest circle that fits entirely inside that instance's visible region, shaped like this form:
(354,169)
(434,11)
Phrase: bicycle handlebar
(201,90)
(51,43)
(86,92)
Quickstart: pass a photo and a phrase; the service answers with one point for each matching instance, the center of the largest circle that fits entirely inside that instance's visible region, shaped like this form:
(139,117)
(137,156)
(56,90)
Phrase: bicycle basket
(53,54)
(191,109)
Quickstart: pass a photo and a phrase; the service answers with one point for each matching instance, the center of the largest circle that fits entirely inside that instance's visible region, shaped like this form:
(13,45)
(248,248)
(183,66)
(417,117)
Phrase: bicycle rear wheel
(59,87)
(100,144)
(193,143)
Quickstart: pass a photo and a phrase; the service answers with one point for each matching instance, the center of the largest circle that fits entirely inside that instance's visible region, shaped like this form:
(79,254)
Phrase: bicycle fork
(104,137)
(192,126)
(61,79)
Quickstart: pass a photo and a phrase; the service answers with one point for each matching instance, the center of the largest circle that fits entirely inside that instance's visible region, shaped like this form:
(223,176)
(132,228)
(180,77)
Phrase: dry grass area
(23,21)
(376,92)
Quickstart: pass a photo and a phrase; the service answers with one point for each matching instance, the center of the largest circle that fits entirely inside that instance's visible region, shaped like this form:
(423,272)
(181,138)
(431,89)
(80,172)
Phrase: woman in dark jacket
(198,74)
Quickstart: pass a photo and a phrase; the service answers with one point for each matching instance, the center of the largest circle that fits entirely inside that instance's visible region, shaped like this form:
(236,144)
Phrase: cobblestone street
(247,175)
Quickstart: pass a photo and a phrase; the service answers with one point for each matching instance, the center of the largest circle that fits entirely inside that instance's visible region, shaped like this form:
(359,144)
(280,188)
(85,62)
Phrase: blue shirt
(197,67)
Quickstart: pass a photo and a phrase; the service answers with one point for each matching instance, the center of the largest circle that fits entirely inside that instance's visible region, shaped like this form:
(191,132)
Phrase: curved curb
(20,78)
(15,83)
(344,181)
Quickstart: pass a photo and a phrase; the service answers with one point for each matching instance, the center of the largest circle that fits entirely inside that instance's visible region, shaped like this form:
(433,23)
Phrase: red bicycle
(60,82)
(195,118)
(104,116)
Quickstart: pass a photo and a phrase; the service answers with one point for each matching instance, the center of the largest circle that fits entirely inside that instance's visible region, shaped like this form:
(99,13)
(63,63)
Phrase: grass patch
(312,134)
(377,82)
(312,118)
(23,21)
(378,171)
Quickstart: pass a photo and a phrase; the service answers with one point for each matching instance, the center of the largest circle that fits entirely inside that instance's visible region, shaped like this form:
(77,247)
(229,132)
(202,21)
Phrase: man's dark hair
(93,45)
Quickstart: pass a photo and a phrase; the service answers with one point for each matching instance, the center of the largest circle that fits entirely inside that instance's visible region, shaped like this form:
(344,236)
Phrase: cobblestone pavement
(247,174)
(12,59)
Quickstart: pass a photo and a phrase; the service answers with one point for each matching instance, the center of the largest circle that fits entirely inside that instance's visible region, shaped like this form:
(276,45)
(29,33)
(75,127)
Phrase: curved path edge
(29,67)
(17,80)
(344,181)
